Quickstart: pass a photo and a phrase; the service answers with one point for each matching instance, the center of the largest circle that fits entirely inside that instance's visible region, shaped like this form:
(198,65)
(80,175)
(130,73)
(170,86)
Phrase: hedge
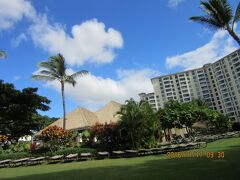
(16,155)
(71,150)
(64,151)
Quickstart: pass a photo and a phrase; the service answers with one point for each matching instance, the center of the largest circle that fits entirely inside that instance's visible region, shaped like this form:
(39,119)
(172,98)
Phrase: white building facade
(218,84)
(150,98)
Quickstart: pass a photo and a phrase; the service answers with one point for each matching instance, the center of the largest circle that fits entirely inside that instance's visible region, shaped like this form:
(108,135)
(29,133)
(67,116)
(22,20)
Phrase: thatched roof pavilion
(82,118)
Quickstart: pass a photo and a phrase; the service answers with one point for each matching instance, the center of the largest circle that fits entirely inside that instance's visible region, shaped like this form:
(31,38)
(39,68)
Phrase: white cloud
(219,46)
(174,3)
(19,39)
(16,77)
(88,42)
(12,11)
(93,91)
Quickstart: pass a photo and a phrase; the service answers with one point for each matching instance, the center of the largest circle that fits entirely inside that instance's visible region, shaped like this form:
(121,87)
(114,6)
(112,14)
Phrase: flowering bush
(55,136)
(107,135)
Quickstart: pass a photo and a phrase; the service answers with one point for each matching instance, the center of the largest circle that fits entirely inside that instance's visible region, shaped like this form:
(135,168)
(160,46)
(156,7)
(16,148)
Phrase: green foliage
(16,155)
(176,114)
(71,150)
(85,134)
(44,120)
(218,14)
(138,124)
(18,109)
(20,147)
(56,69)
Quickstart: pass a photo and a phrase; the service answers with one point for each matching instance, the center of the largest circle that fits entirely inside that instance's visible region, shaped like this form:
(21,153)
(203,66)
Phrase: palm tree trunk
(234,35)
(165,135)
(169,134)
(64,106)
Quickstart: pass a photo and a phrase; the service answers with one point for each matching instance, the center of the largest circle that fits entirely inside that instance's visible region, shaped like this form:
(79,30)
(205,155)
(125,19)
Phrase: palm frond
(209,10)
(45,64)
(236,16)
(207,21)
(224,10)
(3,54)
(70,80)
(49,73)
(218,14)
(80,73)
(59,64)
(43,77)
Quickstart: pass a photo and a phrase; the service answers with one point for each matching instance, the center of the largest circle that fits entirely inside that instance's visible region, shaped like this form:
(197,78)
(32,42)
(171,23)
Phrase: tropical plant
(138,124)
(55,69)
(151,128)
(130,121)
(219,15)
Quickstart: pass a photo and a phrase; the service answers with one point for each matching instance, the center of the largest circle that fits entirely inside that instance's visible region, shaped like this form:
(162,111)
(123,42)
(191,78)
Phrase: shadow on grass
(183,168)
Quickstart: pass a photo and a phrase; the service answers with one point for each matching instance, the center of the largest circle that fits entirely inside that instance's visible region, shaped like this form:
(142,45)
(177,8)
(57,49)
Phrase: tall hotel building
(151,98)
(218,84)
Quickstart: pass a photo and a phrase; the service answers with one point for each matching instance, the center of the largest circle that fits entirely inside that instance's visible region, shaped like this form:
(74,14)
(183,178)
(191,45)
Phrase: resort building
(218,84)
(82,118)
(150,98)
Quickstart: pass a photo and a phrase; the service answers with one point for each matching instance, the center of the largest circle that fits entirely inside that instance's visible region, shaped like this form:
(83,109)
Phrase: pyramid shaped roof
(82,118)
(108,113)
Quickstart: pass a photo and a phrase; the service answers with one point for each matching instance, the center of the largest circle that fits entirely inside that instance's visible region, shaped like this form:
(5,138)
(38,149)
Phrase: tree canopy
(18,110)
(176,114)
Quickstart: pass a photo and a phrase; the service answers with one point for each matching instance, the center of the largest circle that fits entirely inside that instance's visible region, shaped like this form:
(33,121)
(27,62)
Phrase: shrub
(56,136)
(107,135)
(14,155)
(20,147)
(71,150)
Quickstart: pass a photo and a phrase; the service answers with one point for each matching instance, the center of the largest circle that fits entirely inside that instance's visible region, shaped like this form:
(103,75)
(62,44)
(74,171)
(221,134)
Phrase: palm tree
(55,69)
(130,120)
(219,15)
(3,54)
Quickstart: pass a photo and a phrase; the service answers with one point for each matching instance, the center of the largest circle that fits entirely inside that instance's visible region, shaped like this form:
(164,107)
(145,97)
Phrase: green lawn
(148,167)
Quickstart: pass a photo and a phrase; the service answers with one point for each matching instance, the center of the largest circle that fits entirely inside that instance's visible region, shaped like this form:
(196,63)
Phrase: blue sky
(122,43)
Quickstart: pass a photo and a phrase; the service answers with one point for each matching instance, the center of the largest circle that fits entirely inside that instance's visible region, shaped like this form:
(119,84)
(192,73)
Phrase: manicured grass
(148,167)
